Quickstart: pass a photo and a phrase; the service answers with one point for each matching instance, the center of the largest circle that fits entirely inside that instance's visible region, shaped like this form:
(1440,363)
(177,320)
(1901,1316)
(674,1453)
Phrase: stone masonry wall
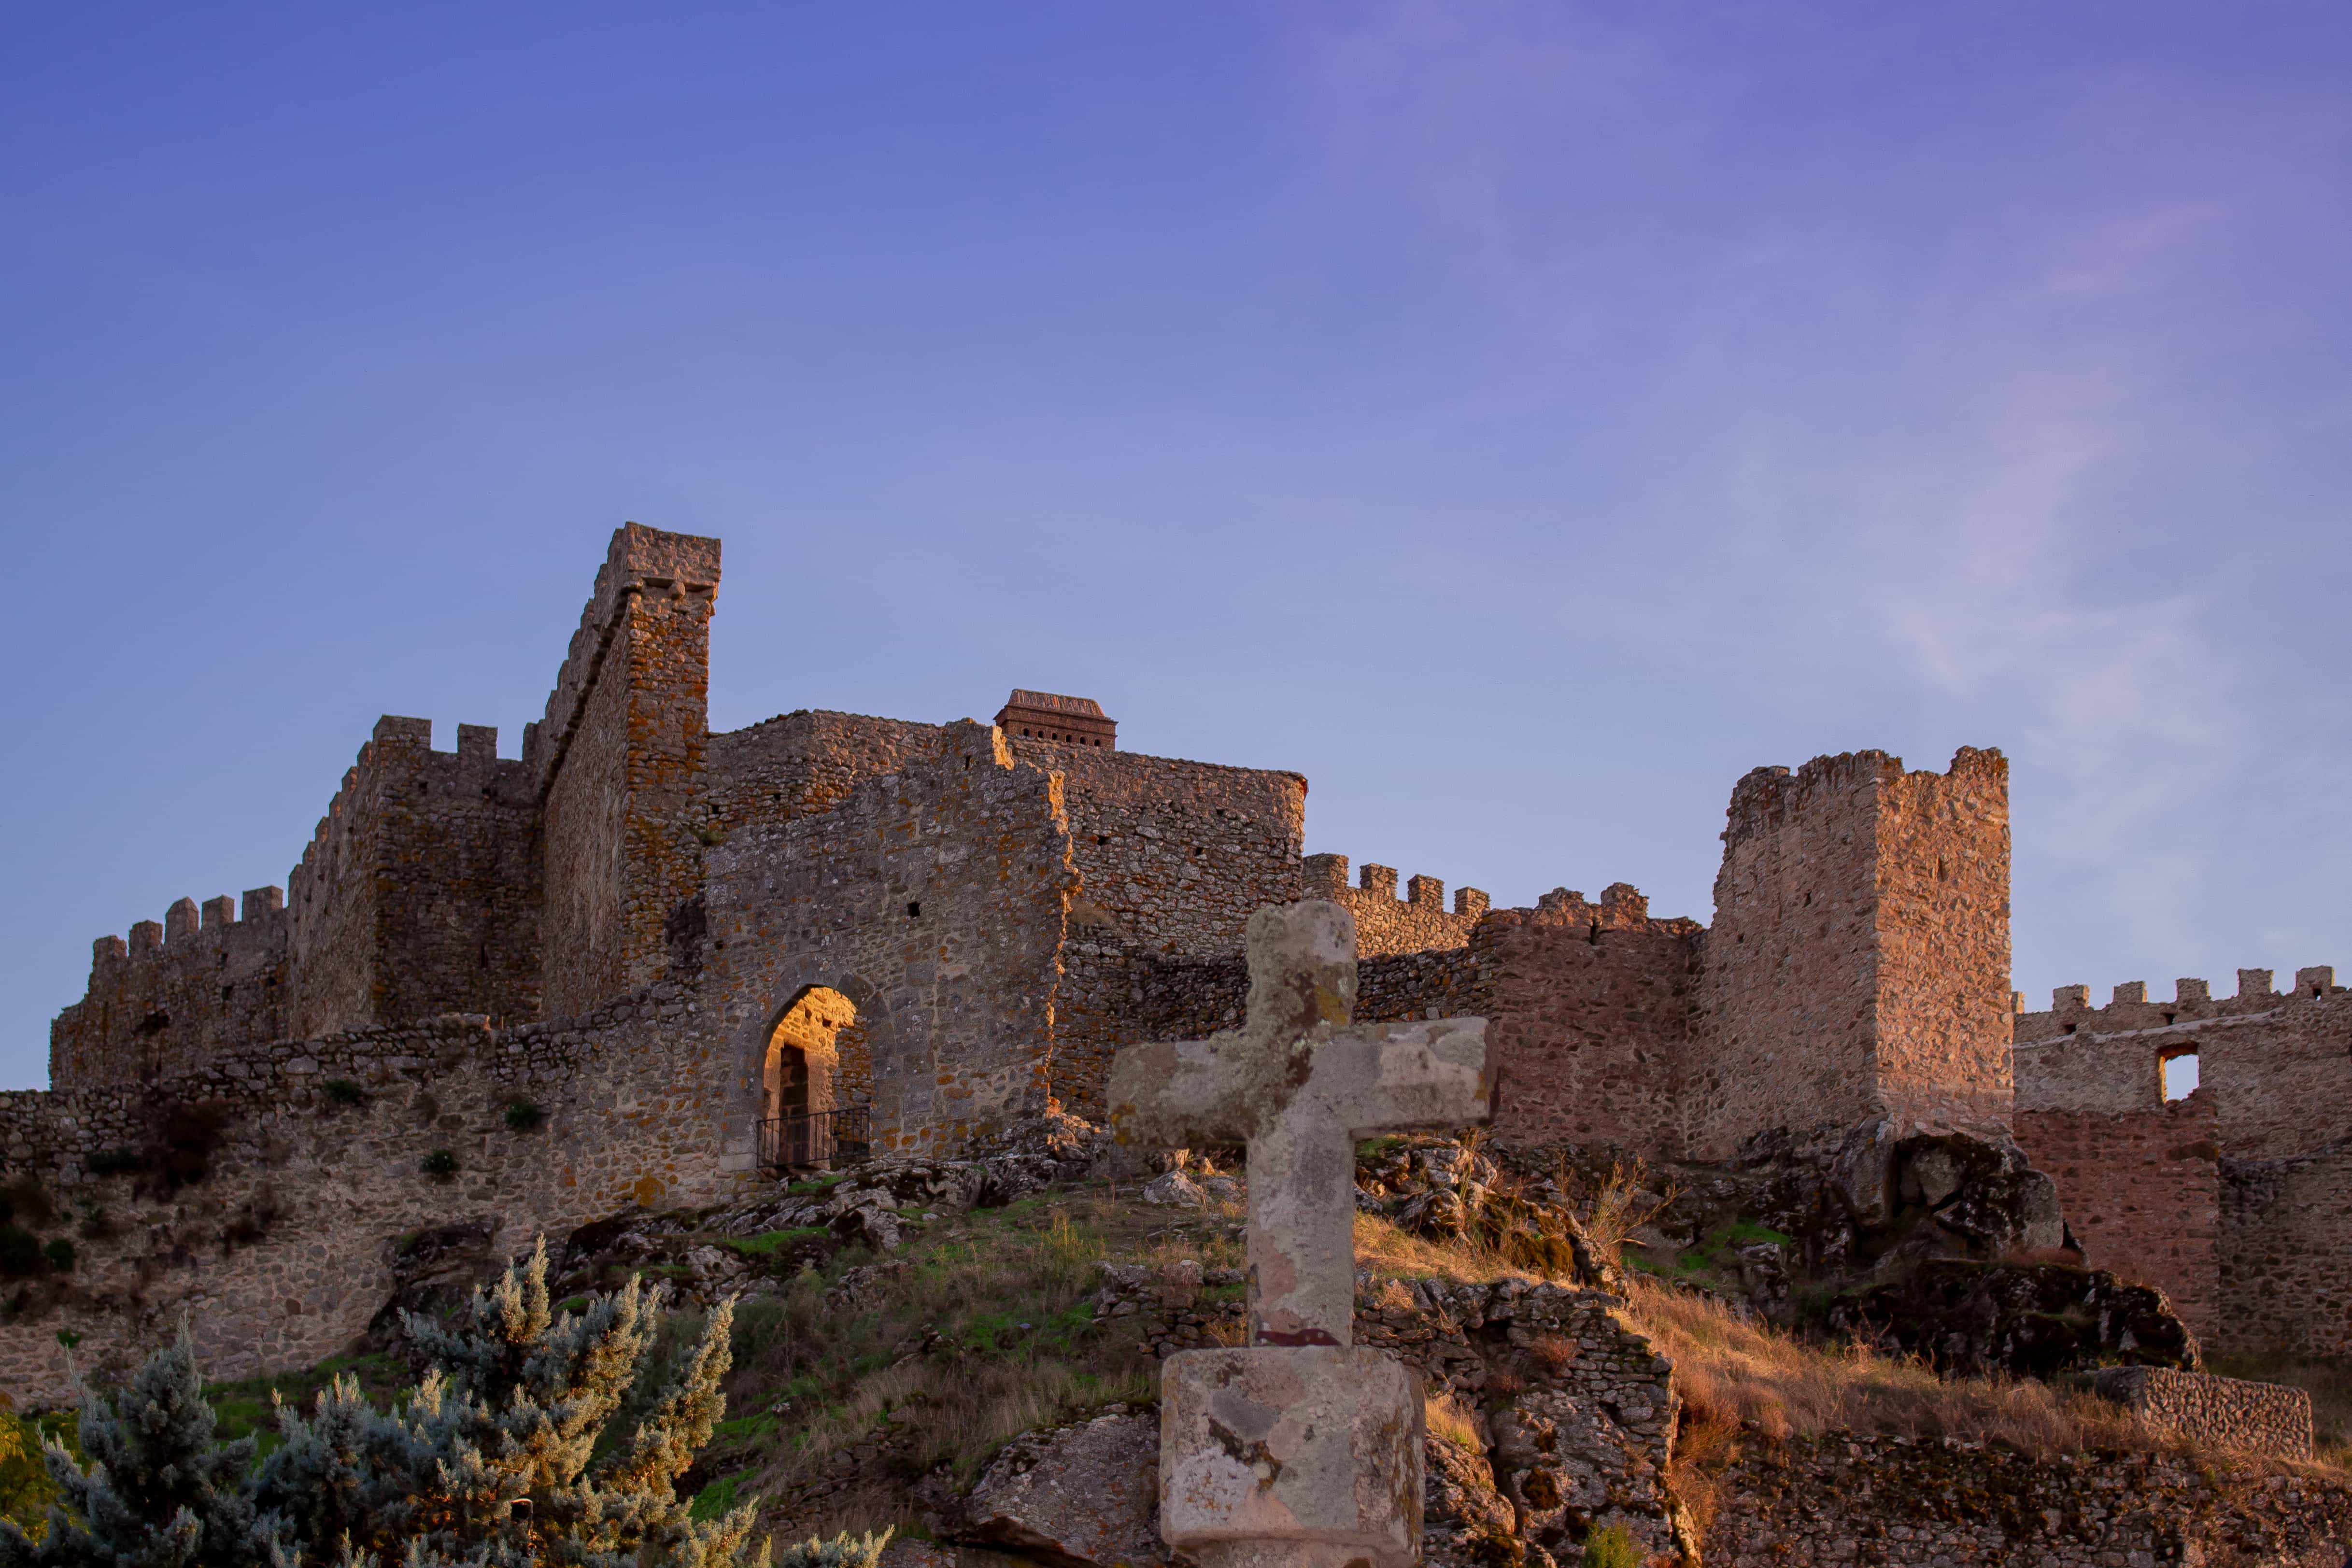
(177,993)
(1176,855)
(283,1251)
(2141,1190)
(1944,1001)
(2273,1071)
(1589,1010)
(1858,962)
(933,899)
(1860,1501)
(1386,923)
(2286,1280)
(2267,1418)
(419,892)
(802,764)
(620,756)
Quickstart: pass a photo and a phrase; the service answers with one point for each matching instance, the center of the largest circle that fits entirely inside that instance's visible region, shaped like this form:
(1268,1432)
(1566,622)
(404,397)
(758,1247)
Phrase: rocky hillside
(966,1352)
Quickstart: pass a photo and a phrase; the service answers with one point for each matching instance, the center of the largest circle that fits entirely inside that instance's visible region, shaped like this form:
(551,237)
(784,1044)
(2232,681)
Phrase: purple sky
(1521,419)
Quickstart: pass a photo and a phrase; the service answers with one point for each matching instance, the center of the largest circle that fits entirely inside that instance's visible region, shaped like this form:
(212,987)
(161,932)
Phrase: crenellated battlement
(2129,1009)
(198,981)
(1418,922)
(1766,798)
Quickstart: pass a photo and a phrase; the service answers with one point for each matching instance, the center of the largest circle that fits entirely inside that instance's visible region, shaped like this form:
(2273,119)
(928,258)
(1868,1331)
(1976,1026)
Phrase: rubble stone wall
(934,900)
(1858,959)
(2286,1281)
(1385,924)
(2268,1417)
(805,763)
(621,755)
(280,1252)
(1176,855)
(1589,1009)
(2277,1065)
(1944,1503)
(177,992)
(2141,1190)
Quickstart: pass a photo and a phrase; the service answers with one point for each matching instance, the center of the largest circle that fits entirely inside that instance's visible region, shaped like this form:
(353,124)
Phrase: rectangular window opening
(2179,1075)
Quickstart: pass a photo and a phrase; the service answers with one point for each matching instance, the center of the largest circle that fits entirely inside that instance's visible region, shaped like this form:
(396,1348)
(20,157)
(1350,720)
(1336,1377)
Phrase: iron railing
(814,1138)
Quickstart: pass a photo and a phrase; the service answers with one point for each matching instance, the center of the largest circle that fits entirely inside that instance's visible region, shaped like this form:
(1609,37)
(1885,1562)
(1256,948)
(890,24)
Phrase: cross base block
(1281,1456)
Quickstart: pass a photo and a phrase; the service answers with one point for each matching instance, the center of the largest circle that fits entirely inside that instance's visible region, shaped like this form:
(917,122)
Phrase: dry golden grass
(1736,1372)
(1446,1418)
(1394,1254)
(1619,1205)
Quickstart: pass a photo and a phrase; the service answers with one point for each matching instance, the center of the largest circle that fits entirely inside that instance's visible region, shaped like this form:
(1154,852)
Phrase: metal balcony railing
(814,1138)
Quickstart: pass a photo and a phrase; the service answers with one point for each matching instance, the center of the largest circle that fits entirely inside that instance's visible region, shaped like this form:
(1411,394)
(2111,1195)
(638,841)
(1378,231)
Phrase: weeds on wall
(524,1116)
(440,1164)
(343,1092)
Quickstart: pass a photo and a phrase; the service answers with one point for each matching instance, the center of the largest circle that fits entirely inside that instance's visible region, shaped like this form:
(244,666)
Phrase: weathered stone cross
(1299,1451)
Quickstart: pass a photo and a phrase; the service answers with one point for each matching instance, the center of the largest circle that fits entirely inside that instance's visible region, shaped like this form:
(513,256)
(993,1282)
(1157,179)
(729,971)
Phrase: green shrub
(523,1117)
(60,1254)
(515,1405)
(116,1161)
(1612,1548)
(343,1092)
(841,1551)
(440,1164)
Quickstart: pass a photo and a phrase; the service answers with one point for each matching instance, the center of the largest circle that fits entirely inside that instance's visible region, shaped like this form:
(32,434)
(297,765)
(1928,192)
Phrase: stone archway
(803,1069)
(810,1073)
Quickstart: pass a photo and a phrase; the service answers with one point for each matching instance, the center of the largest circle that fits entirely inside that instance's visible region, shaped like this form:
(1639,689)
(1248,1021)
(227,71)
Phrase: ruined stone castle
(633,966)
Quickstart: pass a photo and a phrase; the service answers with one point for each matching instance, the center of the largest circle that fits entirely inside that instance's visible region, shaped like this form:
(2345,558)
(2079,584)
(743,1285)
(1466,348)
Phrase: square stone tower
(1858,965)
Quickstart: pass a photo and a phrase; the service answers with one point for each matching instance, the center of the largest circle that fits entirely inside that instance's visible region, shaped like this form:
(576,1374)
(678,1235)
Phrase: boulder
(2035,1319)
(1085,1496)
(1175,1187)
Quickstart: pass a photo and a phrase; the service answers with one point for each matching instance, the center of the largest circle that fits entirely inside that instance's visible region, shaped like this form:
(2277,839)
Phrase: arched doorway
(802,1082)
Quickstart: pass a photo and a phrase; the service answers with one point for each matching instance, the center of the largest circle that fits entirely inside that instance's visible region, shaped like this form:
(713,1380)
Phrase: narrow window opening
(1102,838)
(2070,1028)
(2170,1017)
(1593,938)
(914,910)
(2180,1075)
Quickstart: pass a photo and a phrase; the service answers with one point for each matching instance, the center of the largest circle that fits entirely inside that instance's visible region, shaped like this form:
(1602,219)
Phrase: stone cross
(1297,1451)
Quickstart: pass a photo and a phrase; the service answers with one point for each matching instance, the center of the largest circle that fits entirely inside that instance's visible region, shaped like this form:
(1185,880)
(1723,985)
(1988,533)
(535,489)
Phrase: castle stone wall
(1848,1500)
(802,764)
(622,753)
(2273,1069)
(2267,1418)
(2286,1277)
(1858,963)
(1177,854)
(1589,1020)
(2141,1190)
(282,1252)
(933,899)
(1386,923)
(177,992)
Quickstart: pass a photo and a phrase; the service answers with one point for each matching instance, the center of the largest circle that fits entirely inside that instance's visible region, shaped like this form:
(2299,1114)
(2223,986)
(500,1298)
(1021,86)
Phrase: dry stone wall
(1860,1501)
(2286,1277)
(2267,1418)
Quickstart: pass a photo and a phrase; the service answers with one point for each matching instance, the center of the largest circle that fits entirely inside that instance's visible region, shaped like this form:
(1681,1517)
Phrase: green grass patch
(768,1243)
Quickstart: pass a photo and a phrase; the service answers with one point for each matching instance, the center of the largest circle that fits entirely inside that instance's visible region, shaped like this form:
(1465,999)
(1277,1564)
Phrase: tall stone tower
(1858,965)
(618,759)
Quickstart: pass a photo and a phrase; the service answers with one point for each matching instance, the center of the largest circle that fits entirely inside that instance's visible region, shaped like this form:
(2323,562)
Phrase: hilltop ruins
(650,964)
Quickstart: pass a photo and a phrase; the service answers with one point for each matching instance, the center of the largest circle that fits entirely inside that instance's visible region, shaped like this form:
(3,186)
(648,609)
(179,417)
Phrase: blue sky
(1522,418)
